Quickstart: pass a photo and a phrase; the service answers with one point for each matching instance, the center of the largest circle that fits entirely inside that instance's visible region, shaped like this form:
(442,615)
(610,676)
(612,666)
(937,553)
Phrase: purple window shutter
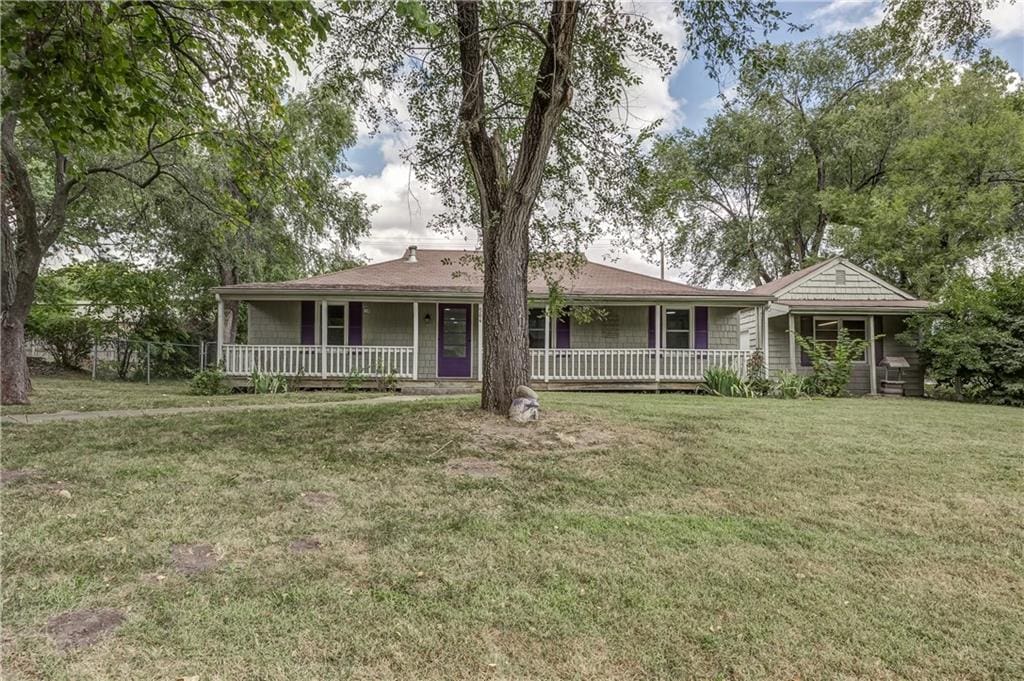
(307,324)
(562,332)
(355,323)
(700,322)
(652,313)
(807,331)
(880,342)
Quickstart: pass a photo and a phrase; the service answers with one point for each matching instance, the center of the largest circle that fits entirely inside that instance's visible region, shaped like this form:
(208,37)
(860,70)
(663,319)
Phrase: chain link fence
(129,359)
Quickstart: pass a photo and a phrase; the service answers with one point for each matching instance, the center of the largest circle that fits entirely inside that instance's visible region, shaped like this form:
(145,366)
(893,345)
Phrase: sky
(687,98)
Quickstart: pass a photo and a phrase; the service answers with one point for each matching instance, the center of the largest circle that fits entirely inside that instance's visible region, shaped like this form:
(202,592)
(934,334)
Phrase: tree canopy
(845,145)
(115,90)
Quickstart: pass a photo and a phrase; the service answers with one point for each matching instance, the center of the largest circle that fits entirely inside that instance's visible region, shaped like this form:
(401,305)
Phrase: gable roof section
(456,272)
(776,285)
(782,285)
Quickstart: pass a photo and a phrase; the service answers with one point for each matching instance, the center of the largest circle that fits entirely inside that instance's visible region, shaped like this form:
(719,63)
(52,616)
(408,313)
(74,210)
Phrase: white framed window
(677,327)
(536,326)
(826,330)
(335,324)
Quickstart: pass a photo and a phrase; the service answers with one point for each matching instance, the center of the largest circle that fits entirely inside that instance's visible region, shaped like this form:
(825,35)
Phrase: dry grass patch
(305,545)
(476,468)
(194,559)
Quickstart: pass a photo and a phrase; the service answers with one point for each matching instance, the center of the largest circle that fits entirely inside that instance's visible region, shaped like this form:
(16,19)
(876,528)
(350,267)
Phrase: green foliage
(832,363)
(972,341)
(843,143)
(725,382)
(85,75)
(267,383)
(411,48)
(788,385)
(58,323)
(208,382)
(387,379)
(354,381)
(757,376)
(136,304)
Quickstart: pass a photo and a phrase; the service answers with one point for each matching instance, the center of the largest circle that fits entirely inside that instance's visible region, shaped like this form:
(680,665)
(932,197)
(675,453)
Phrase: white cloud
(651,100)
(715,104)
(405,206)
(1007,20)
(845,15)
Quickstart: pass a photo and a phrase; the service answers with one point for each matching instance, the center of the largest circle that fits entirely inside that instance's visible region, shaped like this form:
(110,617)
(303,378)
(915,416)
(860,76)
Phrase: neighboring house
(418,319)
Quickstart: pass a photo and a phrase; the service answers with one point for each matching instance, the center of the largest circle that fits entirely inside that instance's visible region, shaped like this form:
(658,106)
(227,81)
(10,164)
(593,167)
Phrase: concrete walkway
(67,416)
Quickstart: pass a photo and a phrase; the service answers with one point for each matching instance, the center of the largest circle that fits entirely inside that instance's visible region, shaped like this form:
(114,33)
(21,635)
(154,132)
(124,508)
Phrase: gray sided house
(418,320)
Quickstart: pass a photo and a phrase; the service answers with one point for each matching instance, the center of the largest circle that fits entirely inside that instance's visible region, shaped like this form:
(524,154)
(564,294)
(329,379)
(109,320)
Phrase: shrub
(266,383)
(757,376)
(208,382)
(973,341)
(832,363)
(726,383)
(387,381)
(67,338)
(790,386)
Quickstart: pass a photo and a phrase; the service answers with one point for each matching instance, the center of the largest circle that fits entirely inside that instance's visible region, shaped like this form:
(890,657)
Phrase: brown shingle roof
(451,271)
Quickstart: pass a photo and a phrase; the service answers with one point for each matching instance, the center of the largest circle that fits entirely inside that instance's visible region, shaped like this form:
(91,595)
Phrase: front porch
(350,362)
(333,342)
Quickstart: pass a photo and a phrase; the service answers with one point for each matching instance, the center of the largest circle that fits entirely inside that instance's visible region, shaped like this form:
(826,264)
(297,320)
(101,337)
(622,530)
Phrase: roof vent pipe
(410,254)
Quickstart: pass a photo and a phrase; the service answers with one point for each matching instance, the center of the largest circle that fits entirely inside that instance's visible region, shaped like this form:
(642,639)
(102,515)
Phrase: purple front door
(454,341)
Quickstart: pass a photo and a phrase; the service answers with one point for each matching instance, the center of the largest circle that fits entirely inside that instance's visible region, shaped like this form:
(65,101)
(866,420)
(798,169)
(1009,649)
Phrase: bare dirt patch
(556,430)
(473,467)
(193,559)
(80,628)
(317,499)
(9,475)
(305,545)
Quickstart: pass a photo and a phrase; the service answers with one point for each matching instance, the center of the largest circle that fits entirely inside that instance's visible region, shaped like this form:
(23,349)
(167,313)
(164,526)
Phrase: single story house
(418,319)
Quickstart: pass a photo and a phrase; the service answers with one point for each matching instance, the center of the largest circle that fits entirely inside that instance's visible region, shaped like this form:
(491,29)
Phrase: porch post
(547,345)
(766,340)
(415,340)
(657,342)
(220,330)
(480,341)
(792,343)
(872,360)
(323,339)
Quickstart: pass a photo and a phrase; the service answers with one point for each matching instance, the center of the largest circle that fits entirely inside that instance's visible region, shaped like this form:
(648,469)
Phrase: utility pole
(662,259)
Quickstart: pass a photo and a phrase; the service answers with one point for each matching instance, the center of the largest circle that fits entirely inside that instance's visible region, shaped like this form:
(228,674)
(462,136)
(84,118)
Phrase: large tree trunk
(506,337)
(507,202)
(22,254)
(229,277)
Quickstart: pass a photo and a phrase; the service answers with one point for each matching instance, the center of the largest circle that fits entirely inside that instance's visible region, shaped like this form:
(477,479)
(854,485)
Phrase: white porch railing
(618,364)
(307,360)
(611,364)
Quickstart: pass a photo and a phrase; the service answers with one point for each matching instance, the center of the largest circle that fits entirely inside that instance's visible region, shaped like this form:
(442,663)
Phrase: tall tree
(280,214)
(127,82)
(952,188)
(513,109)
(845,145)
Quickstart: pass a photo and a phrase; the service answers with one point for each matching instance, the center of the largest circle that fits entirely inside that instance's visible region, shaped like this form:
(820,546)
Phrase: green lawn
(51,394)
(627,536)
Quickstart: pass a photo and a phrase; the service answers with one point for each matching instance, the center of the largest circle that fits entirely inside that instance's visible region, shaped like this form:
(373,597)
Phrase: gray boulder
(527,392)
(524,410)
